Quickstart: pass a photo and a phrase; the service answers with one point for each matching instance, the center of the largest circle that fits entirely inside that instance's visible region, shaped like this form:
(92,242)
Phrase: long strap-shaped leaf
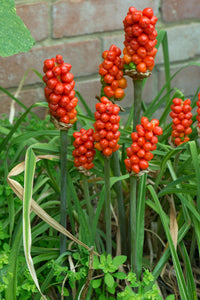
(195,160)
(30,163)
(179,273)
(30,204)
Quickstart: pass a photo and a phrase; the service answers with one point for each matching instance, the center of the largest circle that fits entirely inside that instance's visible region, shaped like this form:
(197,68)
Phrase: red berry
(143,163)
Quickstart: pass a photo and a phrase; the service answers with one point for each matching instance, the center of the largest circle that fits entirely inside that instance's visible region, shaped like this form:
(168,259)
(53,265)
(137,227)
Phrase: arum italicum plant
(161,175)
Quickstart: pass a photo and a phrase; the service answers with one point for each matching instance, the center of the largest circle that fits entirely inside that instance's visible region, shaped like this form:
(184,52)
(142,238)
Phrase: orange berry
(119,93)
(72,121)
(107,151)
(141,67)
(98,146)
(122,83)
(127,58)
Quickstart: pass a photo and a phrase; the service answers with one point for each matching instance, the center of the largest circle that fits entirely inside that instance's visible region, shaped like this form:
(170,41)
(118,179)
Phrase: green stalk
(137,102)
(133,221)
(63,188)
(120,204)
(107,205)
(87,198)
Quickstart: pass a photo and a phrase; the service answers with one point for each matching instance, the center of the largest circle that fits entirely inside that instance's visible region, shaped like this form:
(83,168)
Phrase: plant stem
(133,179)
(133,221)
(137,102)
(88,202)
(63,187)
(107,205)
(120,203)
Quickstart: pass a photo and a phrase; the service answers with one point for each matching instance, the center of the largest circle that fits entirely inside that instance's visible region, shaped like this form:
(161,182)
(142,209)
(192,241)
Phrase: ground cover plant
(95,205)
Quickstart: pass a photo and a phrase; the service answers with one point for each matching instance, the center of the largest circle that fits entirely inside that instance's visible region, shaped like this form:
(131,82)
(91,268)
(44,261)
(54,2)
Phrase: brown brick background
(81,29)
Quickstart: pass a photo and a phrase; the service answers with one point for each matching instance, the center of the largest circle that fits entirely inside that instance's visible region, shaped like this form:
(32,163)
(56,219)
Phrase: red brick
(116,39)
(35,17)
(183,43)
(187,80)
(89,89)
(84,56)
(72,18)
(176,10)
(27,97)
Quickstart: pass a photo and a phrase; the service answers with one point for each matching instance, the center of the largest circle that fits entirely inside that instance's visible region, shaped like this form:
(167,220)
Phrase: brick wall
(81,29)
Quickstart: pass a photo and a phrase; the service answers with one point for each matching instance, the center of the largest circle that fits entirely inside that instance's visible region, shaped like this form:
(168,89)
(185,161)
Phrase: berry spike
(198,114)
(106,127)
(140,42)
(59,90)
(144,141)
(84,151)
(181,121)
(112,77)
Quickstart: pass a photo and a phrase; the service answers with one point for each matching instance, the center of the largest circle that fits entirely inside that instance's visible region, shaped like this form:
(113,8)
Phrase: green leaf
(109,280)
(14,35)
(103,259)
(96,283)
(66,292)
(102,297)
(111,290)
(119,260)
(96,262)
(120,275)
(170,297)
(48,279)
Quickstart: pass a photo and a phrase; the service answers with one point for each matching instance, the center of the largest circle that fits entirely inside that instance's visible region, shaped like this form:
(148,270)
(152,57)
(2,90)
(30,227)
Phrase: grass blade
(189,275)
(163,165)
(179,273)
(165,49)
(14,128)
(10,292)
(87,237)
(161,263)
(195,160)
(88,110)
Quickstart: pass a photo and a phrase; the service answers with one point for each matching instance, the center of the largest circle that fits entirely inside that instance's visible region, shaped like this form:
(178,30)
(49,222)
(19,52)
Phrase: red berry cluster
(144,141)
(59,90)
(84,148)
(106,126)
(140,39)
(182,120)
(198,111)
(111,71)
